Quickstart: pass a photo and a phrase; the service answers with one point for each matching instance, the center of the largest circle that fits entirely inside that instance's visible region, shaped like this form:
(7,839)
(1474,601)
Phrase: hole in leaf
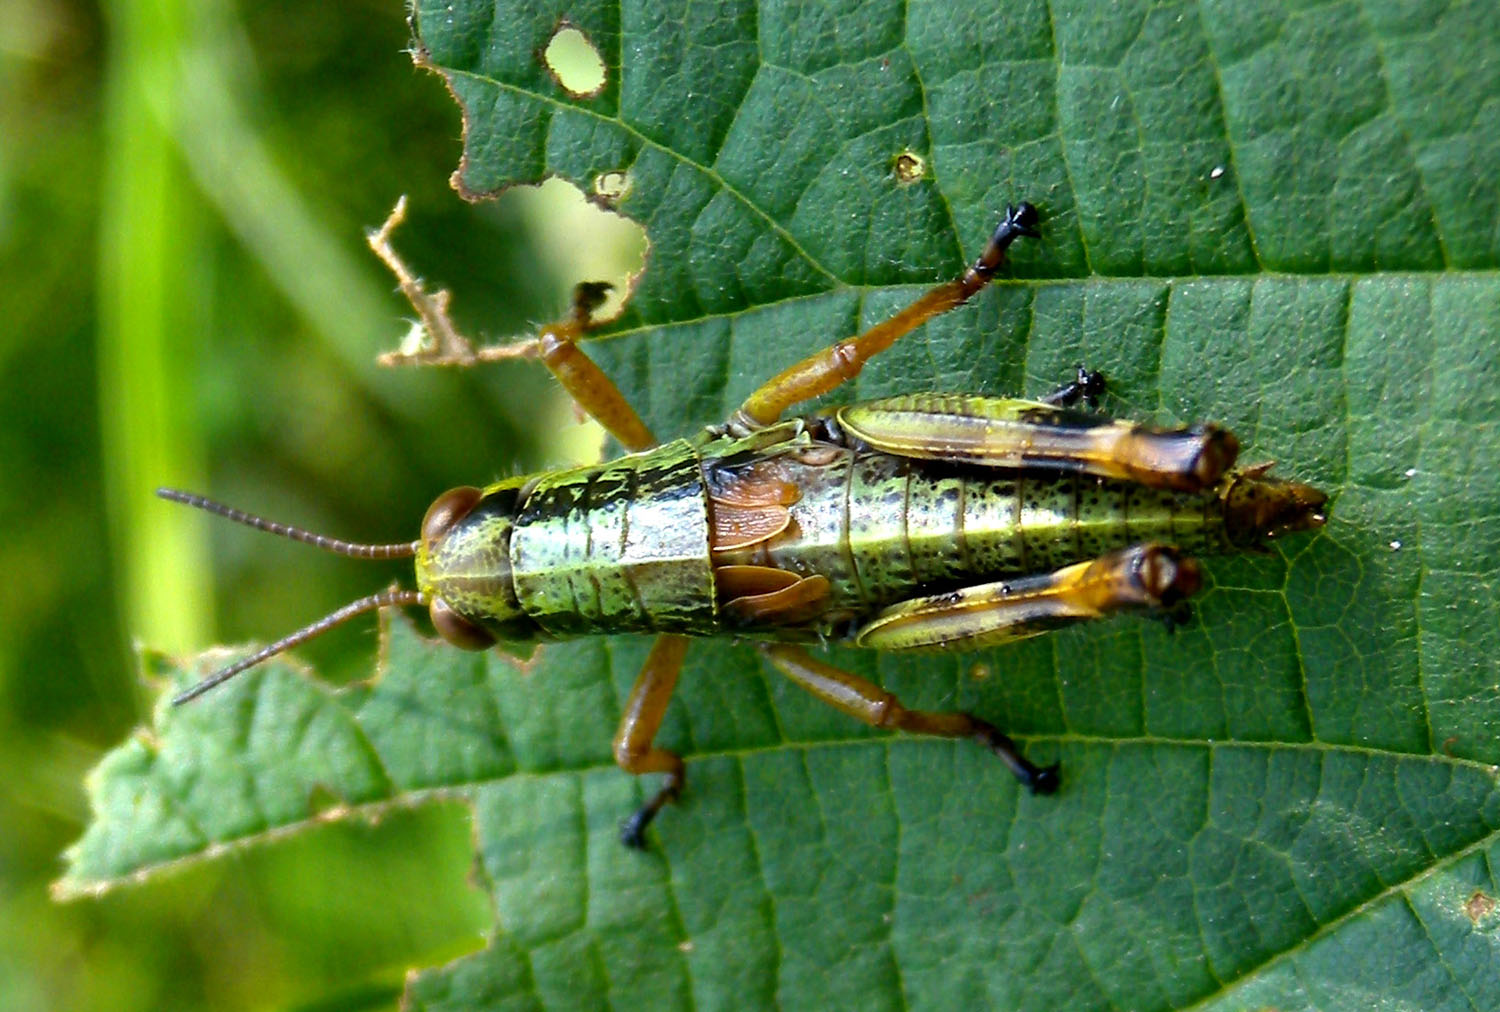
(574,62)
(1478,906)
(909,167)
(581,241)
(611,187)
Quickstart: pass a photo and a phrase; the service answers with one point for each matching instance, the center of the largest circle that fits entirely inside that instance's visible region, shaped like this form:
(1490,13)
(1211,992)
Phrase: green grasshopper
(921,522)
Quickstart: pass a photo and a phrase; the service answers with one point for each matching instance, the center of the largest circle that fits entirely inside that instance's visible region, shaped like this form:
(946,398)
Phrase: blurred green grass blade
(177,116)
(329,280)
(148,287)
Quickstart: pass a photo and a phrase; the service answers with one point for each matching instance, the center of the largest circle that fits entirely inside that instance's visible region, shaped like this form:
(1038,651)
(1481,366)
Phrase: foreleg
(440,343)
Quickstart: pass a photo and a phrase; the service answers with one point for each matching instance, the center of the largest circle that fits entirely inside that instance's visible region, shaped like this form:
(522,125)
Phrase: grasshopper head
(463,566)
(1258,508)
(463,572)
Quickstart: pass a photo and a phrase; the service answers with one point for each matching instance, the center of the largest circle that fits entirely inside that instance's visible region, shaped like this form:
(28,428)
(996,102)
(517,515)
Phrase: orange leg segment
(584,381)
(823,371)
(871,704)
(634,751)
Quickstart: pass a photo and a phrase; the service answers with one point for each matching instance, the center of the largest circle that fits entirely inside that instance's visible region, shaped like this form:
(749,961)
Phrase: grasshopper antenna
(374,602)
(404,550)
(307,632)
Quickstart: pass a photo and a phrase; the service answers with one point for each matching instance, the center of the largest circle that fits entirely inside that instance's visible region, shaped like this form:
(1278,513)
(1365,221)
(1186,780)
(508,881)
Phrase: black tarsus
(633,829)
(587,297)
(1087,386)
(1020,219)
(1046,779)
(1036,779)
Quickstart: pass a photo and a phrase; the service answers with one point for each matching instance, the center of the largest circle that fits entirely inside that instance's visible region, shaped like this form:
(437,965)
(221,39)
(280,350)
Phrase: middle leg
(824,370)
(868,702)
(634,751)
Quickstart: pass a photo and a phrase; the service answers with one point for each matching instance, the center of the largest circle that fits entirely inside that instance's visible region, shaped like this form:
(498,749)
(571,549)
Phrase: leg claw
(1045,779)
(633,829)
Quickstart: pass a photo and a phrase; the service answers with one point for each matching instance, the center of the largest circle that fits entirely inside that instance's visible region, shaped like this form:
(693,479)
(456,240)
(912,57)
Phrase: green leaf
(1277,217)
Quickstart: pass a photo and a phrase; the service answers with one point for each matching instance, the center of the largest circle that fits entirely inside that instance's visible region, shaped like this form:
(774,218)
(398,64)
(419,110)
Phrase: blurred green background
(187,300)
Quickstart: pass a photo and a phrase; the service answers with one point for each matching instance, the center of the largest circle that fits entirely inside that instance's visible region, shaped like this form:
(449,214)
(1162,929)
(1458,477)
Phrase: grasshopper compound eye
(463,566)
(456,629)
(447,510)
